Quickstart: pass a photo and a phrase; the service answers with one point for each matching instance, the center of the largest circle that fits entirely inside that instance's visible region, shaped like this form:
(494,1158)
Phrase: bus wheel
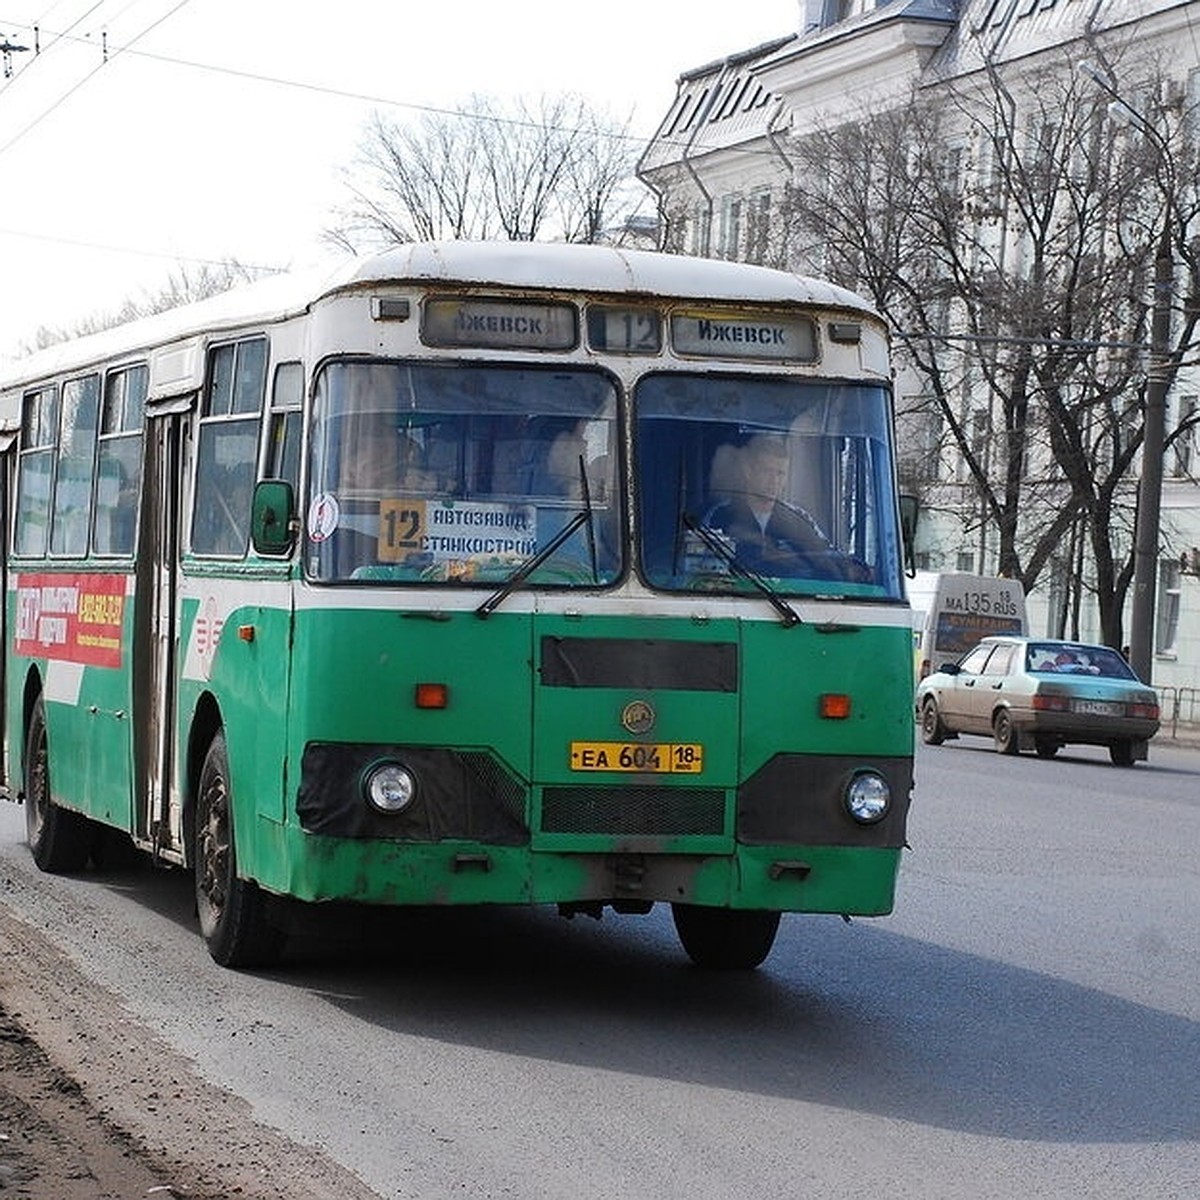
(1004,733)
(933,732)
(727,939)
(233,911)
(60,840)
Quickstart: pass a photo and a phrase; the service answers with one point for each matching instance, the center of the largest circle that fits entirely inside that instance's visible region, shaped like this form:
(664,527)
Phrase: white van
(953,610)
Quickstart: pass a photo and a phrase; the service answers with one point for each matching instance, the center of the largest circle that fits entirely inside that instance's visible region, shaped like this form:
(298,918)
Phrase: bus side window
(119,461)
(72,506)
(39,429)
(228,448)
(283,444)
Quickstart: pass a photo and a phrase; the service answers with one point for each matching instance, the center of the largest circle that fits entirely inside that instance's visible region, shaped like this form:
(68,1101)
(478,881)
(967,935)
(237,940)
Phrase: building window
(965,562)
(701,230)
(758,227)
(1166,629)
(730,233)
(1184,446)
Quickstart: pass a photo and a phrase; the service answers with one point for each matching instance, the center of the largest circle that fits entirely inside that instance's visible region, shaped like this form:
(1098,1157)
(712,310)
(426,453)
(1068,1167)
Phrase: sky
(149,135)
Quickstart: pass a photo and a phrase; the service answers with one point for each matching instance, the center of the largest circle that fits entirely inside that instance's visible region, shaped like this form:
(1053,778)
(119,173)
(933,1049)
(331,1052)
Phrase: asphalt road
(1027,1024)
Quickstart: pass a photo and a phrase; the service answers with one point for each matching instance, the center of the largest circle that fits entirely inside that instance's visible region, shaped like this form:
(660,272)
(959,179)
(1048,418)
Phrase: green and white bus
(469,574)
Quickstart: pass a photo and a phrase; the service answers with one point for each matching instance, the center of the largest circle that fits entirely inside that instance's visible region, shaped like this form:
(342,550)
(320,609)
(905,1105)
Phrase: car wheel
(933,732)
(234,917)
(725,939)
(1121,753)
(1045,747)
(1004,733)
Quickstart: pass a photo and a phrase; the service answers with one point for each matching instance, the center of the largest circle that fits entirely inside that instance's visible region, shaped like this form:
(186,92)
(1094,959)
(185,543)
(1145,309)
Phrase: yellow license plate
(662,758)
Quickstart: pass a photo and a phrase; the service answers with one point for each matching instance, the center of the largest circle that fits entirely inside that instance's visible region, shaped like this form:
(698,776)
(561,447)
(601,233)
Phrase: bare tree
(1009,236)
(186,284)
(522,171)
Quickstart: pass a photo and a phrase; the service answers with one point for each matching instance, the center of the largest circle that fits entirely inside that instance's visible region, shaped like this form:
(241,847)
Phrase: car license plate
(1098,708)
(660,758)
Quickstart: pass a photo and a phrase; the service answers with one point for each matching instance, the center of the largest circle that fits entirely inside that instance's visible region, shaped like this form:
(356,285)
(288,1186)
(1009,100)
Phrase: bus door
(157,812)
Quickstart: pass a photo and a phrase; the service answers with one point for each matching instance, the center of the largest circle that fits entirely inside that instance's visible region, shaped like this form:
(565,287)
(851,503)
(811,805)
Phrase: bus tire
(234,916)
(933,732)
(725,939)
(1007,741)
(59,839)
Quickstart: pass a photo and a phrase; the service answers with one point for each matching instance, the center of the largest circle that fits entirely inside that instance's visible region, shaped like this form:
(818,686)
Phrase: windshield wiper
(586,493)
(718,546)
(527,568)
(530,565)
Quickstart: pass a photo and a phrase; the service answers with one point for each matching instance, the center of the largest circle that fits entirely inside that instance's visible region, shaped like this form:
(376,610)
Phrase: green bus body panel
(91,739)
(282,681)
(783,682)
(249,680)
(355,673)
(858,882)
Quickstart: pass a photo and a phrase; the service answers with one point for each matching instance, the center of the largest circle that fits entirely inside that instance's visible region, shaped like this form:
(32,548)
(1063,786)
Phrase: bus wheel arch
(206,724)
(235,914)
(59,839)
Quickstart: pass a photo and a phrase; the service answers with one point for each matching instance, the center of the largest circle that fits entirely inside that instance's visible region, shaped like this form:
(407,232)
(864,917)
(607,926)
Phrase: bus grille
(632,811)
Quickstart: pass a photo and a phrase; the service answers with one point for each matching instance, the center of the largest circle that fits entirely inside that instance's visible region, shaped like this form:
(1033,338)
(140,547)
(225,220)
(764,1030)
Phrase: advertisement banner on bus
(71,618)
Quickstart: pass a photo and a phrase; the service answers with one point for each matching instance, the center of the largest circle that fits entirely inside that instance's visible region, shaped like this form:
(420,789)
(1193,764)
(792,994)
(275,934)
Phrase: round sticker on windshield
(323,516)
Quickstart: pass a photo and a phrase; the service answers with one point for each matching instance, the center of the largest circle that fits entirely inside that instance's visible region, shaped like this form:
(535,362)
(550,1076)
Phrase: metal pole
(1147,532)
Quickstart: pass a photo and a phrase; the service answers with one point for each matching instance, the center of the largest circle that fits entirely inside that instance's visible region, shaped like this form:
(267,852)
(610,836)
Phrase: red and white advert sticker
(71,617)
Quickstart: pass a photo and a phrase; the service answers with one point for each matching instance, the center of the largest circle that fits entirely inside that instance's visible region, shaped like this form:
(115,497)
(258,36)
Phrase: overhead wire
(348,94)
(109,57)
(37,25)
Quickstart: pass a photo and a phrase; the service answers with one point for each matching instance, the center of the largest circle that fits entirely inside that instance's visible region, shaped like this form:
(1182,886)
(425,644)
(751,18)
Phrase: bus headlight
(389,787)
(868,797)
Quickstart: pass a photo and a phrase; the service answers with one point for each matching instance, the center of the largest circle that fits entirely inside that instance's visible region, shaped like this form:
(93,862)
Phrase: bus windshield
(753,481)
(454,473)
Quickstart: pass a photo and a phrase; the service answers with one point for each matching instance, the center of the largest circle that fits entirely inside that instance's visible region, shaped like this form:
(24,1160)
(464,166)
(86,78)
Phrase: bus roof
(550,266)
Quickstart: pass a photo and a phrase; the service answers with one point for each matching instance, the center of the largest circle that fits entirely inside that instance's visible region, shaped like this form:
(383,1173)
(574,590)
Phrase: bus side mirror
(273,517)
(910,507)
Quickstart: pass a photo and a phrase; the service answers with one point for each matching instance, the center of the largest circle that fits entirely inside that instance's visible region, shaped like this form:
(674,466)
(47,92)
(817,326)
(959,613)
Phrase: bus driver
(771,535)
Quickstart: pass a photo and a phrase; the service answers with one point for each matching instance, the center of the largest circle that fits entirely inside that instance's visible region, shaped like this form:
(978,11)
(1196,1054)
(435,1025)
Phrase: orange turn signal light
(834,705)
(432,695)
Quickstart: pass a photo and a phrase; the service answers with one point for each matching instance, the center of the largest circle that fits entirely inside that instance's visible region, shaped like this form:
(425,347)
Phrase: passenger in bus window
(379,459)
(562,475)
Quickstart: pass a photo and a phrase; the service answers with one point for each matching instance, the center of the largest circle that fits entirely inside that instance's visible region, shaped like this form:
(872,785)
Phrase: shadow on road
(855,1017)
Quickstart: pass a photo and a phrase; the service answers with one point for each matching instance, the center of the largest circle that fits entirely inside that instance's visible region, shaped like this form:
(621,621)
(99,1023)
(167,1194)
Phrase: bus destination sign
(498,324)
(769,337)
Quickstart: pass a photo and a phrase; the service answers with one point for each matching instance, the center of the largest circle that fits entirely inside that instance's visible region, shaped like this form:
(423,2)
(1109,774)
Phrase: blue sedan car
(1040,694)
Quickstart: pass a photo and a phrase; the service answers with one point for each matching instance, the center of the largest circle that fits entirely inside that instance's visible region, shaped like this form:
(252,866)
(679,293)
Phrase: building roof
(718,105)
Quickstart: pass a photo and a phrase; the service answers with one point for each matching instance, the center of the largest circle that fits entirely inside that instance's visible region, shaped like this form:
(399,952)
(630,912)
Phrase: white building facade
(730,167)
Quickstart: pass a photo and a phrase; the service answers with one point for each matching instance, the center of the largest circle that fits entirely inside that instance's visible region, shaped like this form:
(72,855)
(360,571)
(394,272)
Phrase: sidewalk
(1178,733)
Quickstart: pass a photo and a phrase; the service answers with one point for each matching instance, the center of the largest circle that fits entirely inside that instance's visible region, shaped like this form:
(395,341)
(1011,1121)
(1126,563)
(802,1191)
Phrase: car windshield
(1056,659)
(746,481)
(460,474)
